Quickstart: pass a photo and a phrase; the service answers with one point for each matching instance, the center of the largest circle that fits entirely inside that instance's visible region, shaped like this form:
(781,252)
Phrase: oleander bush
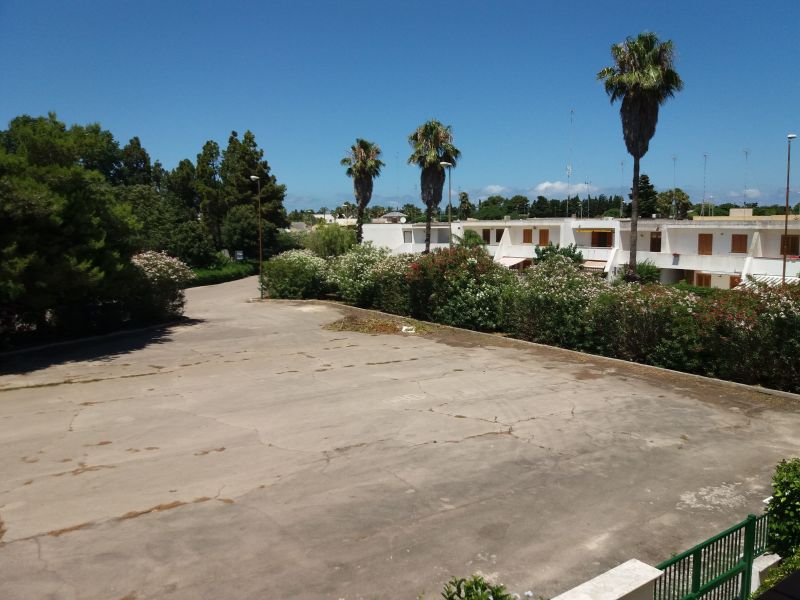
(352,275)
(458,286)
(750,336)
(295,274)
(392,289)
(552,303)
(159,286)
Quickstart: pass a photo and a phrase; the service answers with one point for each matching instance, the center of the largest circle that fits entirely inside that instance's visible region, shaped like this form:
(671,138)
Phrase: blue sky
(308,77)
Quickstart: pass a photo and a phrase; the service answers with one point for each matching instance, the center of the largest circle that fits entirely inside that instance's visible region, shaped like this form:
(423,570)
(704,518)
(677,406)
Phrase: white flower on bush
(160,268)
(164,279)
(352,273)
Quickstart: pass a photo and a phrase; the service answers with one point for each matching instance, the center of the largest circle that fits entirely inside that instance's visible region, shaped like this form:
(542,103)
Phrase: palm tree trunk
(428,217)
(631,274)
(359,223)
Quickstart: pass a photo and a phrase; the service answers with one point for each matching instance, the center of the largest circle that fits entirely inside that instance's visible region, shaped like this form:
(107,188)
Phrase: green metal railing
(718,569)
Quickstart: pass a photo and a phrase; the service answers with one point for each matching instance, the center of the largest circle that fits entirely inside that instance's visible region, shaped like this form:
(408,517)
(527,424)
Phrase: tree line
(76,205)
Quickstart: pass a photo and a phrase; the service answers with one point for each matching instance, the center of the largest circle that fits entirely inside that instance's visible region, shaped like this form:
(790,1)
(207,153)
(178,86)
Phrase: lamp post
(785,242)
(449,199)
(257,179)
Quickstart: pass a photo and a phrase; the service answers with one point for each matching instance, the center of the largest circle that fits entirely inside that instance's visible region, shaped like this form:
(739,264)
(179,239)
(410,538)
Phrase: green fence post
(697,563)
(749,552)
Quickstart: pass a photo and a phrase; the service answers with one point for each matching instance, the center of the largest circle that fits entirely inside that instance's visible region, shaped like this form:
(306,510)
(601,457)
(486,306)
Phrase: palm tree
(432,144)
(363,165)
(643,77)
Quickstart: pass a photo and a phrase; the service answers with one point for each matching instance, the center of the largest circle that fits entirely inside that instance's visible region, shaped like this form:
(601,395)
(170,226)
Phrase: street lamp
(449,198)
(257,179)
(785,243)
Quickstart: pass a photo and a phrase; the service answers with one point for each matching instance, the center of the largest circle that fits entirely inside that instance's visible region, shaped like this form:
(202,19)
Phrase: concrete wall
(632,580)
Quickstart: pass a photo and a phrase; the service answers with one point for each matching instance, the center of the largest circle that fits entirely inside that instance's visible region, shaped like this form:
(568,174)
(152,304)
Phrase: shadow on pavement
(104,348)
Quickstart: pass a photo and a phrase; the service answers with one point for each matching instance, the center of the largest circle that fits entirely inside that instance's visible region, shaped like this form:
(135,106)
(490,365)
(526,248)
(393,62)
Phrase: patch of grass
(228,272)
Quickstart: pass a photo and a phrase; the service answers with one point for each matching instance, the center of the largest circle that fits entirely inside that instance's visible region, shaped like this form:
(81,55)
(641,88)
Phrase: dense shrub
(191,243)
(160,285)
(458,286)
(650,324)
(228,271)
(784,509)
(295,274)
(392,290)
(329,239)
(351,274)
(474,588)
(570,251)
(552,303)
(648,272)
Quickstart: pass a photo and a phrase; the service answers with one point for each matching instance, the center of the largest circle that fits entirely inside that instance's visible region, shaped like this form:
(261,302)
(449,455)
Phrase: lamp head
(254,177)
(791,136)
(445,164)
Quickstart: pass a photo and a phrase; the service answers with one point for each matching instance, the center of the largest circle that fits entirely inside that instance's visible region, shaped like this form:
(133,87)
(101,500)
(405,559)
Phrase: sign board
(239,255)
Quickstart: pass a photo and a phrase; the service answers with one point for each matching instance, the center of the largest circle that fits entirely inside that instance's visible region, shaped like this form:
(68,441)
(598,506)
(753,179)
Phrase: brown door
(739,243)
(790,244)
(498,235)
(705,243)
(735,280)
(544,237)
(487,235)
(655,241)
(601,239)
(527,236)
(702,279)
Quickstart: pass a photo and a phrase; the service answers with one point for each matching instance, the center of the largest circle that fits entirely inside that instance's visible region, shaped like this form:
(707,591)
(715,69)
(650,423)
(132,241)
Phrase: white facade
(712,251)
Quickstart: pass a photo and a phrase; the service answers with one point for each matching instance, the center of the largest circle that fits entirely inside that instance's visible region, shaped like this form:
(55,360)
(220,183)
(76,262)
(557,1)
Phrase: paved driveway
(254,454)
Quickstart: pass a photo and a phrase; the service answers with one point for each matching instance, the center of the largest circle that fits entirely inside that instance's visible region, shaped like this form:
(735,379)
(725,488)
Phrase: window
(705,243)
(443,237)
(702,279)
(544,237)
(407,237)
(655,241)
(601,239)
(790,244)
(739,243)
(487,235)
(527,236)
(735,280)
(498,235)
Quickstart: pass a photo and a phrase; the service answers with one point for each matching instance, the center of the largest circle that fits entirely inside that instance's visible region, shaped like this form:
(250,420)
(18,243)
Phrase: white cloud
(556,188)
(749,193)
(494,190)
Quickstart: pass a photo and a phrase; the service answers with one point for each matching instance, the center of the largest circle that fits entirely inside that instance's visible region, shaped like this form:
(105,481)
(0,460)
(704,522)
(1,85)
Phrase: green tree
(97,150)
(240,230)
(363,166)
(643,78)
(155,218)
(648,198)
(135,168)
(192,244)
(673,202)
(330,240)
(64,237)
(241,160)
(181,183)
(432,144)
(465,208)
(209,191)
(413,213)
(518,205)
(493,208)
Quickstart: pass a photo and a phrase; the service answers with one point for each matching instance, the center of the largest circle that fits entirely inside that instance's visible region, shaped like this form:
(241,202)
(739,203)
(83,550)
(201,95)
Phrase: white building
(707,251)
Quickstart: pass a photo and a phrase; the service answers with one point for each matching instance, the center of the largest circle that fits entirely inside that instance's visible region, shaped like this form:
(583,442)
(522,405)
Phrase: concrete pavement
(253,454)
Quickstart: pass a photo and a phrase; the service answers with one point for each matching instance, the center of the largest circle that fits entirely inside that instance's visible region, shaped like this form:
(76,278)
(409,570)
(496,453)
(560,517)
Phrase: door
(705,243)
(655,241)
(487,235)
(544,237)
(527,236)
(702,279)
